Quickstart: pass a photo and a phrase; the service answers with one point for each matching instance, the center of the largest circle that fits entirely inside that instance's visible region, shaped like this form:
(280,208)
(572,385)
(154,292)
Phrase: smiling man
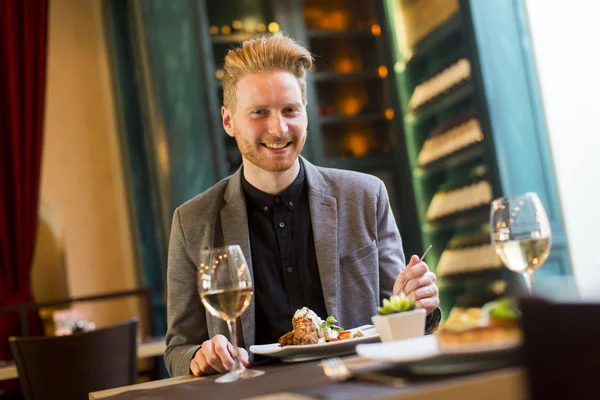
(313,237)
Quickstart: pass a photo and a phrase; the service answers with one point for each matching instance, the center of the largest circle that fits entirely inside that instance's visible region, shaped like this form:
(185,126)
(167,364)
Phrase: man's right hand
(216,355)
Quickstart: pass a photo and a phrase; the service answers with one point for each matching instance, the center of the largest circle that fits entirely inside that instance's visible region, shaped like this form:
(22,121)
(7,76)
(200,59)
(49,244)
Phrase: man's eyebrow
(257,106)
(261,106)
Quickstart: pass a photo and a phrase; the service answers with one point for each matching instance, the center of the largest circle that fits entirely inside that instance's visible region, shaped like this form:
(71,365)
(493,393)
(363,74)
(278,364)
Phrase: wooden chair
(70,367)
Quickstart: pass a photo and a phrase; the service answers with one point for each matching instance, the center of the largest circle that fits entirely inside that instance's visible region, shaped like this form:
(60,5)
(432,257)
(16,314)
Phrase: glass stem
(237,366)
(528,275)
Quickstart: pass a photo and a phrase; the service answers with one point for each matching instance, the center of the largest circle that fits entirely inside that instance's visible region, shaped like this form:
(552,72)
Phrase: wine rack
(446,139)
(350,80)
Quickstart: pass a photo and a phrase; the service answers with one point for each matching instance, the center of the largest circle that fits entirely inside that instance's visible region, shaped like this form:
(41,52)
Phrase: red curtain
(23,31)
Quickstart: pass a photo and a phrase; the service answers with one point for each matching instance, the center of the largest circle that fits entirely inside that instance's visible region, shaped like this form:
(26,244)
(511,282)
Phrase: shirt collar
(290,196)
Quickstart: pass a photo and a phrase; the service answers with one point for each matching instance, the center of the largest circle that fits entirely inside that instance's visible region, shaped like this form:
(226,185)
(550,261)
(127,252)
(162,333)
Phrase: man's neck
(270,182)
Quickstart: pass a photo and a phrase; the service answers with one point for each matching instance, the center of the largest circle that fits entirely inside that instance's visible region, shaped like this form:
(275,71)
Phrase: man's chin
(274,165)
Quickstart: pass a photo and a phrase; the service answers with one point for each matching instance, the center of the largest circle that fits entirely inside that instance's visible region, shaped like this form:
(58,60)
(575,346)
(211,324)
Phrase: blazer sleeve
(186,318)
(391,256)
(389,244)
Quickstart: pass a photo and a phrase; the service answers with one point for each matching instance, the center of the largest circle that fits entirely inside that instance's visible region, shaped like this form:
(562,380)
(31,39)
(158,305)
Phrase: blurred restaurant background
(452,103)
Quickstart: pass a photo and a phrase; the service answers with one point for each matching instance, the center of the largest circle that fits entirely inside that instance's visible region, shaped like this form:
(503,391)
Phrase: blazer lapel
(323,212)
(234,222)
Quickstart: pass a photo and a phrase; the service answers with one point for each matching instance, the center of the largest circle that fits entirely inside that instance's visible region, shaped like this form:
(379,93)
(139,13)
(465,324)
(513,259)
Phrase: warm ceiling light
(382,71)
(226,29)
(237,24)
(376,29)
(273,27)
(214,30)
(389,113)
(219,74)
(261,27)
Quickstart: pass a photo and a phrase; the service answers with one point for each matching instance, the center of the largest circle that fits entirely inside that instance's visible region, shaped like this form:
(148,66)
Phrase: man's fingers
(429,304)
(414,260)
(244,359)
(220,346)
(212,358)
(425,292)
(202,365)
(244,356)
(216,355)
(223,352)
(195,368)
(416,271)
(415,268)
(416,283)
(399,284)
(213,361)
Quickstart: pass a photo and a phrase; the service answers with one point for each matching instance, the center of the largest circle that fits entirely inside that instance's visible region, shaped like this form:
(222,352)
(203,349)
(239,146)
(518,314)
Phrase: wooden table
(304,382)
(148,348)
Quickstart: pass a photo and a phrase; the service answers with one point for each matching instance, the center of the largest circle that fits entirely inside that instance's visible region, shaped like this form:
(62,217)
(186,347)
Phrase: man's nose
(277,125)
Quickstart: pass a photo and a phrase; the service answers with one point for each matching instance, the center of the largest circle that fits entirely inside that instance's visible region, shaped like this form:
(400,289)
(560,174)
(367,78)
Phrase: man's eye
(290,110)
(259,112)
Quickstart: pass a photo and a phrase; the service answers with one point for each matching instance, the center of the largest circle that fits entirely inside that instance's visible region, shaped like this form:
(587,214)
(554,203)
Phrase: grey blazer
(357,243)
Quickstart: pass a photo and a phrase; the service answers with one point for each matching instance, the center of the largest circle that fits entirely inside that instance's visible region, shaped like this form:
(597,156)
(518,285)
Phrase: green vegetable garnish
(503,308)
(397,304)
(330,323)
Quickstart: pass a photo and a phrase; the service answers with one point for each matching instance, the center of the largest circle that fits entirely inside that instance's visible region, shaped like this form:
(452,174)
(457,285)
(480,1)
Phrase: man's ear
(227,117)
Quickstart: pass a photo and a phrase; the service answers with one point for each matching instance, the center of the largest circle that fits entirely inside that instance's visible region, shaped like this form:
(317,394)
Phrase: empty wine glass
(521,234)
(225,288)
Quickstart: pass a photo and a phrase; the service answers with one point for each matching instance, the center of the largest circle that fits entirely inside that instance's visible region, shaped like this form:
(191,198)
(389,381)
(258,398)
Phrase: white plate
(401,351)
(423,356)
(315,351)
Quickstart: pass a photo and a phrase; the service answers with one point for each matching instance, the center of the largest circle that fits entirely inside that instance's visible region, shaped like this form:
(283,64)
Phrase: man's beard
(251,151)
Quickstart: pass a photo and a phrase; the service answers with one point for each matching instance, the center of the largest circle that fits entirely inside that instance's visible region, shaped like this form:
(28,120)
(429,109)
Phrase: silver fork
(335,369)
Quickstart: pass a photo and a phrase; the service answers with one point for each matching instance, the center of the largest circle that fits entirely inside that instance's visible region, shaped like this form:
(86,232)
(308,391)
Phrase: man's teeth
(276,146)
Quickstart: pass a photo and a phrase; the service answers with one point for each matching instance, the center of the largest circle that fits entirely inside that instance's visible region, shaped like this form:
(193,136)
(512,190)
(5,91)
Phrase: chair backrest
(70,367)
(561,349)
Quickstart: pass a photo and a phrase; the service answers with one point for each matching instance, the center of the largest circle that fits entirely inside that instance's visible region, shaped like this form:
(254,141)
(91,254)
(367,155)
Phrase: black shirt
(284,260)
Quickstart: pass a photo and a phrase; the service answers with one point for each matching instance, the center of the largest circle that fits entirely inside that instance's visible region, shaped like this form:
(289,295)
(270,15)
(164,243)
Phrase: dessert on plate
(497,322)
(309,328)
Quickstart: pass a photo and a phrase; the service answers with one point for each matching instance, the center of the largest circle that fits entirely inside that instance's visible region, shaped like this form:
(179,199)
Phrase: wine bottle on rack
(454,201)
(440,83)
(444,144)
(468,252)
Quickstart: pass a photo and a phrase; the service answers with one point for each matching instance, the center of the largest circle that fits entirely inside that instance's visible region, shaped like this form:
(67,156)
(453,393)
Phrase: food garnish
(329,323)
(503,309)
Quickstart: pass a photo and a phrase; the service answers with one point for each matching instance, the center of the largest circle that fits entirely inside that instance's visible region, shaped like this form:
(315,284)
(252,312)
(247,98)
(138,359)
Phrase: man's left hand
(418,283)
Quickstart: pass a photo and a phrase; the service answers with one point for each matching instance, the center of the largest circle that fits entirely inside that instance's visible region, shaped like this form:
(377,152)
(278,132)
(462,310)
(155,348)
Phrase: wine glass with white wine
(225,288)
(521,234)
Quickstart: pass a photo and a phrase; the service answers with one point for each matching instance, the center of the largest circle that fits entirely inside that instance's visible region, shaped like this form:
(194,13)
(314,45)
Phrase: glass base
(240,374)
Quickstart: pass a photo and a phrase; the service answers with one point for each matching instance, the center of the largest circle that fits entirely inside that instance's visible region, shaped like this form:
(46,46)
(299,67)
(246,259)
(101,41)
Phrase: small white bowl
(400,326)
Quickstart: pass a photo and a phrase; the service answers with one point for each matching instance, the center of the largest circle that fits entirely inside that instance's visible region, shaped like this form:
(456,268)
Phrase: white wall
(566,41)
